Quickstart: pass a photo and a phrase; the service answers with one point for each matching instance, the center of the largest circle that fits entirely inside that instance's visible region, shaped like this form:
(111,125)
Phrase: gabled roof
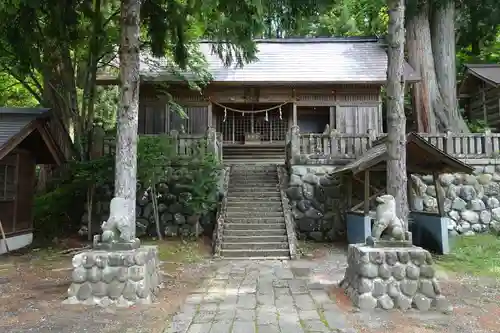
(296,60)
(24,127)
(488,73)
(422,157)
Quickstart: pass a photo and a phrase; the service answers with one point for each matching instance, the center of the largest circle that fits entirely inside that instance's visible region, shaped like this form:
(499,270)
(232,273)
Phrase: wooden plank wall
(485,106)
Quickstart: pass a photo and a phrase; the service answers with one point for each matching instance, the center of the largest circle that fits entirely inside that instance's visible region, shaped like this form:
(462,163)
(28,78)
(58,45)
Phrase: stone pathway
(265,297)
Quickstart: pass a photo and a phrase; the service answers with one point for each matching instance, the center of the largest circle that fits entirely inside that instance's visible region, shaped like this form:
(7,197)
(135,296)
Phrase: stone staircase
(254,226)
(268,153)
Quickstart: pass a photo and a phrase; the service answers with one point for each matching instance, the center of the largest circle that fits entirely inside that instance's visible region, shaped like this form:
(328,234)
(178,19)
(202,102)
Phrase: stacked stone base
(122,278)
(392,278)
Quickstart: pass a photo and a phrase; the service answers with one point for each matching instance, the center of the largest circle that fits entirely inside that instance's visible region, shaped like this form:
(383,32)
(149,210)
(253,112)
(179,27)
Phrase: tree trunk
(443,47)
(396,127)
(127,118)
(154,200)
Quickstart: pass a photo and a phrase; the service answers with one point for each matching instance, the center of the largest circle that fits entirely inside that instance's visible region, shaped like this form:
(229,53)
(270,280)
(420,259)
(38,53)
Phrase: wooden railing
(185,144)
(341,146)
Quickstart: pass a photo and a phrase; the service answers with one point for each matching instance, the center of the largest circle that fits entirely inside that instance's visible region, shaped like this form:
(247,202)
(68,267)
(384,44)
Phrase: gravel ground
(31,292)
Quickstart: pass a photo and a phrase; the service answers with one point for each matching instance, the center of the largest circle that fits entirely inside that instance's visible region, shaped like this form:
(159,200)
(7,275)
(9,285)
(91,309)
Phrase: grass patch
(177,251)
(476,255)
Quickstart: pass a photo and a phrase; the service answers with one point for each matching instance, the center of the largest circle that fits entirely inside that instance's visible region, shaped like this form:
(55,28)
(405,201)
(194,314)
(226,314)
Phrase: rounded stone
(377,257)
(428,258)
(115,289)
(409,287)
(99,289)
(88,260)
(77,260)
(384,271)
(129,259)
(130,291)
(391,257)
(427,271)
(437,287)
(417,257)
(379,287)
(485,217)
(79,275)
(366,301)
(385,302)
(440,303)
(73,289)
(84,292)
(105,302)
(122,274)
(403,256)
(101,260)
(142,289)
(427,289)
(116,259)
(393,289)
(108,274)
(365,285)
(94,274)
(368,270)
(140,258)
(136,273)
(399,271)
(412,272)
(402,302)
(421,302)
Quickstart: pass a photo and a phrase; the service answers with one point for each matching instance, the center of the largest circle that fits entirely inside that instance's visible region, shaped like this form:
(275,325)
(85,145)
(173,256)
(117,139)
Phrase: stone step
(263,207)
(270,184)
(256,239)
(256,178)
(254,220)
(254,245)
(277,253)
(261,189)
(240,214)
(252,233)
(254,226)
(253,167)
(244,200)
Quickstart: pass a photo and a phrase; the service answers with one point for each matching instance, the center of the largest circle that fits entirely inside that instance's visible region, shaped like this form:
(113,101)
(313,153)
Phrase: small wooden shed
(27,138)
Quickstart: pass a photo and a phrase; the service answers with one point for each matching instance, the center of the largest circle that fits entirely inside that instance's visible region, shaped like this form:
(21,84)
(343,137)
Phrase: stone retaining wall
(176,219)
(470,201)
(317,202)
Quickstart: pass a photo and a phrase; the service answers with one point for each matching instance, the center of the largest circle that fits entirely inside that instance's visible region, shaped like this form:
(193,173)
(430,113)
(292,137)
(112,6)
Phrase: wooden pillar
(367,193)
(167,119)
(233,124)
(411,199)
(349,191)
(439,194)
(294,114)
(210,115)
(332,117)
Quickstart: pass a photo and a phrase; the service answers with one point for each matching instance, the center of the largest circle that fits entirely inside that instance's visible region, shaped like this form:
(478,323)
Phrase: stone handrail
(221,215)
(289,221)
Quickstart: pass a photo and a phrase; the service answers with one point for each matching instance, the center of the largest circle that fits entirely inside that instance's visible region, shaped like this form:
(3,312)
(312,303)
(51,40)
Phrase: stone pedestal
(390,278)
(122,278)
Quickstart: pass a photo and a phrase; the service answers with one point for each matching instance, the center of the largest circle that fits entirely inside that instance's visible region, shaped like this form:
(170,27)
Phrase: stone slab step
(244,200)
(254,245)
(285,253)
(251,233)
(255,239)
(256,179)
(267,208)
(239,214)
(263,189)
(254,226)
(254,220)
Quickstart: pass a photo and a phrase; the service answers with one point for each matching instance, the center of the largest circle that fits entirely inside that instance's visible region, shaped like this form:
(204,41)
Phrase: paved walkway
(265,297)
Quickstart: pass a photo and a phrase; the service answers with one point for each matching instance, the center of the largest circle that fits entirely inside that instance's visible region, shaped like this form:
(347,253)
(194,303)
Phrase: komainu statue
(386,219)
(117,232)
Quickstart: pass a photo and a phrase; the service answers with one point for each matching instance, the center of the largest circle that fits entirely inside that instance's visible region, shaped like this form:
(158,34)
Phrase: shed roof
(295,60)
(422,157)
(19,126)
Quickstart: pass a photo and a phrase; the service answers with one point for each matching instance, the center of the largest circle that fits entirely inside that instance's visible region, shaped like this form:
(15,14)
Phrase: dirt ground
(33,285)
